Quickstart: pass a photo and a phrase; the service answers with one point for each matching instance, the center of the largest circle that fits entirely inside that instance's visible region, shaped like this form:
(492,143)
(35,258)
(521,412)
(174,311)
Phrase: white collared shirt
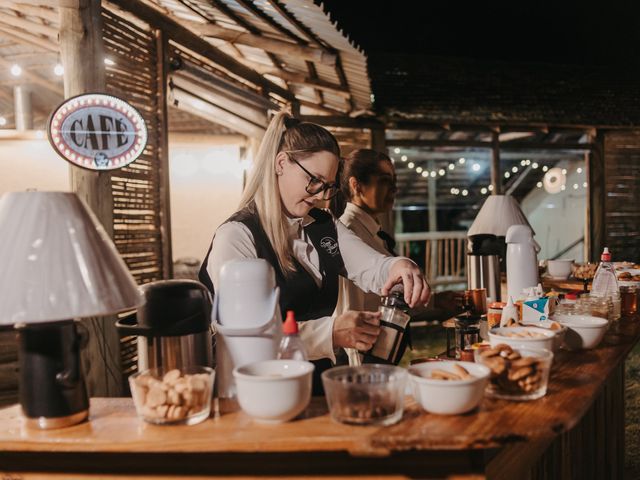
(350,296)
(365,266)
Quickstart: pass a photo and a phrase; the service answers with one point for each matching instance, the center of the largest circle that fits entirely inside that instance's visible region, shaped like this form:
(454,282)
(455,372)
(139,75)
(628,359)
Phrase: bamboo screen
(622,197)
(132,74)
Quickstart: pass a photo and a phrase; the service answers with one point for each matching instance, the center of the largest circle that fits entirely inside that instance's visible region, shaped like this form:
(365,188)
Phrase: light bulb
(545,168)
(490,187)
(514,169)
(419,169)
(507,174)
(16,70)
(535,165)
(475,167)
(461,160)
(441,172)
(579,170)
(425,174)
(403,158)
(539,184)
(465,193)
(396,150)
(410,165)
(58,70)
(483,190)
(3,121)
(433,174)
(451,166)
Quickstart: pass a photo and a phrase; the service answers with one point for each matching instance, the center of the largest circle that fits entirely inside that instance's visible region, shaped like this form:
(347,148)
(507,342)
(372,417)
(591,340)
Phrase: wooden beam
(162,73)
(477,144)
(183,36)
(28,25)
(344,121)
(45,13)
(596,198)
(496,179)
(25,38)
(302,79)
(82,53)
(264,43)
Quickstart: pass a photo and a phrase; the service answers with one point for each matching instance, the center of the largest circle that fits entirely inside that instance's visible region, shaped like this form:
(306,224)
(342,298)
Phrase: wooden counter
(577,428)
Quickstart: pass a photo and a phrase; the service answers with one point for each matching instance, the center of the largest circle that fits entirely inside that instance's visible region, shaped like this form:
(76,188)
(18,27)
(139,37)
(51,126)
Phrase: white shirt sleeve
(233,240)
(317,337)
(366,267)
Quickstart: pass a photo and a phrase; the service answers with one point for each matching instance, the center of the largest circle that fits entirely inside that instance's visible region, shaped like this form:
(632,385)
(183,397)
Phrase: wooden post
(82,54)
(432,270)
(378,143)
(495,163)
(595,205)
(162,44)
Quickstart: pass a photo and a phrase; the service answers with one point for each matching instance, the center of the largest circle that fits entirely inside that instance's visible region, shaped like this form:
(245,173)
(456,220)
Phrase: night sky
(588,32)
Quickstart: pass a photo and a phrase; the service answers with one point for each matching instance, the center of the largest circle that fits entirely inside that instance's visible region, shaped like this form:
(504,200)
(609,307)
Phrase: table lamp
(497,214)
(58,265)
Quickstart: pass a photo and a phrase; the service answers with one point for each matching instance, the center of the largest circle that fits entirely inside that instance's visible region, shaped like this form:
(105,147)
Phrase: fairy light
(585,184)
(564,171)
(534,165)
(411,165)
(579,170)
(3,121)
(575,186)
(507,174)
(433,174)
(16,70)
(461,161)
(465,192)
(396,150)
(563,187)
(539,184)
(441,172)
(514,169)
(451,166)
(403,158)
(425,174)
(419,169)
(490,187)
(545,168)
(475,167)
(483,191)
(523,163)
(58,70)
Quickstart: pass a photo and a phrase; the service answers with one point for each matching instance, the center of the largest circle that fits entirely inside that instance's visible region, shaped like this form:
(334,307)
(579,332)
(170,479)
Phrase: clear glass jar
(629,300)
(596,306)
(467,333)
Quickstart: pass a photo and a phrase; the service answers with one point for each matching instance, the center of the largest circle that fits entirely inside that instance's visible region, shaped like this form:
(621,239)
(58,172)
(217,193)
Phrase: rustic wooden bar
(575,431)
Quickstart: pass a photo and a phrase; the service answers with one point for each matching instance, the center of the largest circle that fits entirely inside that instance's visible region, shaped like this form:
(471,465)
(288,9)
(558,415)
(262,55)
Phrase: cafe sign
(97,132)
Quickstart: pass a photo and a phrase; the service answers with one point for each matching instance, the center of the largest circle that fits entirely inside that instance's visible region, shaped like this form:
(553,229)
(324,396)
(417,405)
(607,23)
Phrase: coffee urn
(483,264)
(173,326)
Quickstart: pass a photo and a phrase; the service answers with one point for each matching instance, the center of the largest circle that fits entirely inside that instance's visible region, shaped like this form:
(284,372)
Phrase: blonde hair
(299,140)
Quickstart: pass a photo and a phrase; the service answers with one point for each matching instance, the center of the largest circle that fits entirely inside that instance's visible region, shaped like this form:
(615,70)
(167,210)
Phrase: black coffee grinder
(52,390)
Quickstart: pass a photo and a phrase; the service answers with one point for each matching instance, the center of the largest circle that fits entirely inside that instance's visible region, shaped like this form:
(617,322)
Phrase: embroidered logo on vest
(330,245)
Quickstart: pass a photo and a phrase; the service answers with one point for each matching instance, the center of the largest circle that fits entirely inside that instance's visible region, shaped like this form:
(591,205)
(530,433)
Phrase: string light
(507,174)
(16,70)
(58,70)
(475,167)
(419,169)
(453,191)
(534,166)
(523,163)
(451,166)
(579,170)
(564,171)
(483,190)
(585,184)
(514,169)
(490,187)
(545,168)
(539,184)
(441,172)
(396,150)
(433,174)
(465,192)
(109,62)
(403,158)
(410,165)
(461,160)
(575,186)
(3,121)
(563,187)
(425,173)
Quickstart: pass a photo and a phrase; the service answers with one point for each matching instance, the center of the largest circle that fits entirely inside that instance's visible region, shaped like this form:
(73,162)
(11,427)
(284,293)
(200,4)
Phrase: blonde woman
(296,168)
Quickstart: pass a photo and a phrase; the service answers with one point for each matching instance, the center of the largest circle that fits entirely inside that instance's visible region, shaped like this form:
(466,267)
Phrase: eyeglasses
(315,185)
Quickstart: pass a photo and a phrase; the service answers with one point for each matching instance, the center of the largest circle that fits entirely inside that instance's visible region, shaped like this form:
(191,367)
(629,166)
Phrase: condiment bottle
(291,346)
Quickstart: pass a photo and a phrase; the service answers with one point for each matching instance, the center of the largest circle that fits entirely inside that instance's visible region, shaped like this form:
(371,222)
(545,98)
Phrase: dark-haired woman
(296,168)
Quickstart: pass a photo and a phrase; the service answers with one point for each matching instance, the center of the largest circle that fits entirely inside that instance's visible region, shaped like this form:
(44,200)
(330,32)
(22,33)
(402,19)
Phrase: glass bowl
(370,394)
(165,396)
(517,372)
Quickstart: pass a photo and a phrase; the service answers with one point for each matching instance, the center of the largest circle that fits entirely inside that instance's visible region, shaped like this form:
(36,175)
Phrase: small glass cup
(629,300)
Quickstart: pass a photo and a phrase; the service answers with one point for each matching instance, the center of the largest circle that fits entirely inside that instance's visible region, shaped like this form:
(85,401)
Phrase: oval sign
(97,132)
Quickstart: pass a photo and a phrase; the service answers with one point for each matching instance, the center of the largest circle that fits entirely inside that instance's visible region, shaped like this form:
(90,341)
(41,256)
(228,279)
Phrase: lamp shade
(497,214)
(57,262)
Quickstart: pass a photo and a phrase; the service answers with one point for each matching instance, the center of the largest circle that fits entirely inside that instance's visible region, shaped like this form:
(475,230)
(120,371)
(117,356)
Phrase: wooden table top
(576,379)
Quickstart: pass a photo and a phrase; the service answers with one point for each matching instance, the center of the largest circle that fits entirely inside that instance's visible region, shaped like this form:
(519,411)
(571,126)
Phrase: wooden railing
(443,253)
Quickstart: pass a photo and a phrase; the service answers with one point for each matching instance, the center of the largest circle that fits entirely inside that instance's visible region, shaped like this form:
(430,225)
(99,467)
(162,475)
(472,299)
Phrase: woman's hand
(357,330)
(416,288)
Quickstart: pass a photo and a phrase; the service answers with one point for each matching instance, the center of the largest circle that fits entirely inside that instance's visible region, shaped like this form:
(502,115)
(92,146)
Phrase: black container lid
(174,307)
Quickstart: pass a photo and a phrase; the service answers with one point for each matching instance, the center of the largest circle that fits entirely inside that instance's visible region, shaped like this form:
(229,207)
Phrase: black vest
(298,291)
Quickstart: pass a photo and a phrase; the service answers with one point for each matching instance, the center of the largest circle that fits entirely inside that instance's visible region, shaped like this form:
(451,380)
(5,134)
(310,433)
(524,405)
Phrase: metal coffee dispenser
(483,264)
(173,327)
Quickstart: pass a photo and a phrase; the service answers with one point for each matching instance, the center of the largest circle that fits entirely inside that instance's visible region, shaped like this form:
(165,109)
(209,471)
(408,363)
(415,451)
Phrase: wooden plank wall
(140,205)
(622,194)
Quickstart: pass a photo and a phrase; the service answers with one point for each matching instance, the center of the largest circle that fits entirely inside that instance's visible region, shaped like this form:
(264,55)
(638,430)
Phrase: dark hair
(361,164)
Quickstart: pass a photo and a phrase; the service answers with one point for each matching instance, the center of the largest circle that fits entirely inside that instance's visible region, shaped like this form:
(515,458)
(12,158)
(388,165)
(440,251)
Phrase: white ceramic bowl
(274,391)
(509,335)
(583,331)
(448,397)
(560,269)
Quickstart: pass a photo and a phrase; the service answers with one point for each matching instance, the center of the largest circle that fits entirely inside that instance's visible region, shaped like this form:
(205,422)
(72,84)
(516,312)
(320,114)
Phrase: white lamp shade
(57,262)
(497,214)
